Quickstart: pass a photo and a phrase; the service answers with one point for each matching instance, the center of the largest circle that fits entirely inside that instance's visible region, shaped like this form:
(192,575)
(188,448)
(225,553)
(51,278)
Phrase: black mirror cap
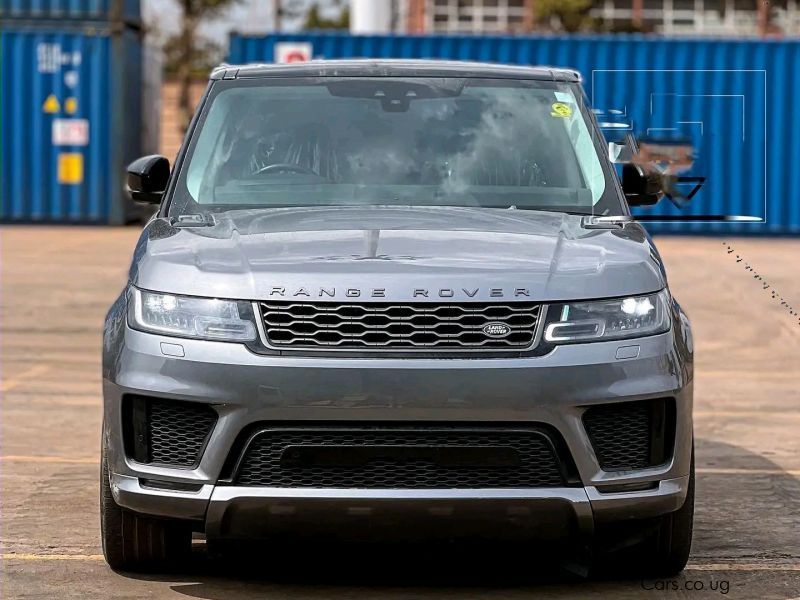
(147,178)
(642,187)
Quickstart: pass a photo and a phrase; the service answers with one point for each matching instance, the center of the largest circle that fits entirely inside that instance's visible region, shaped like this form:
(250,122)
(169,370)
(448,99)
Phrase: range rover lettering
(411,288)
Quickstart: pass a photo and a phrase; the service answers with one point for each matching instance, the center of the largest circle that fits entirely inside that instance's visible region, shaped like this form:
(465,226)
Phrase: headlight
(601,320)
(186,316)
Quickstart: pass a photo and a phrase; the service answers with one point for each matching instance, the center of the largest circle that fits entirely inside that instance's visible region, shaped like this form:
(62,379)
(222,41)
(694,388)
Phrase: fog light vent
(168,432)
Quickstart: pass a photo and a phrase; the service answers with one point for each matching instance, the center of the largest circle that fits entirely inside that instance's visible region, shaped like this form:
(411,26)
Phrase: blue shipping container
(82,10)
(734,98)
(70,121)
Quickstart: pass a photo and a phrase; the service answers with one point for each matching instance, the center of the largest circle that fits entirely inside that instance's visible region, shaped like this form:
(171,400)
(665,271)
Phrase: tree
(188,53)
(573,15)
(315,20)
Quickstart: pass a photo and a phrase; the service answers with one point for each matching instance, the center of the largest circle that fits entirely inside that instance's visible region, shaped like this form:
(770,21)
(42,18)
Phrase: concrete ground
(58,282)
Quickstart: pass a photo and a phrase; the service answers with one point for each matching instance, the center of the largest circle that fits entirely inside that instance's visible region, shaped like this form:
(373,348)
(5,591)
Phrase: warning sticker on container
(70,168)
(70,132)
(71,105)
(51,104)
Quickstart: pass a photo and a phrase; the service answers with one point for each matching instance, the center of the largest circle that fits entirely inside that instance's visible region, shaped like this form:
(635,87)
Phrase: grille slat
(414,326)
(263,462)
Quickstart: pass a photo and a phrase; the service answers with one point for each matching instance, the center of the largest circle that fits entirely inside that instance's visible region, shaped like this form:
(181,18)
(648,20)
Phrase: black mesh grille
(627,435)
(414,326)
(267,459)
(169,432)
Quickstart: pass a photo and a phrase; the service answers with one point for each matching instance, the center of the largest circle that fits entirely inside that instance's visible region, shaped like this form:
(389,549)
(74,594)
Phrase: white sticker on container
(290,52)
(70,132)
(51,58)
(71,79)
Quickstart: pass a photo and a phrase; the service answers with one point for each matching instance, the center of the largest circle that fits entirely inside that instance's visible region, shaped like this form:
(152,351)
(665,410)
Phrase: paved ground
(58,282)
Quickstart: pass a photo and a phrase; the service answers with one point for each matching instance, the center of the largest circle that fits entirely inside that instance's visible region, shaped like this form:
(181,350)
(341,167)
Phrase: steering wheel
(285,168)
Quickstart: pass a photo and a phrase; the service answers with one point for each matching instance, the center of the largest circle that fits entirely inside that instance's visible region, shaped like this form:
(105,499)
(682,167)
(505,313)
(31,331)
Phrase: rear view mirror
(642,186)
(147,178)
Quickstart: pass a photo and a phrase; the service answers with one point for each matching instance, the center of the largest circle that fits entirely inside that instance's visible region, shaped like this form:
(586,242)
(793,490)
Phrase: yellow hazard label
(70,168)
(71,105)
(51,104)
(561,110)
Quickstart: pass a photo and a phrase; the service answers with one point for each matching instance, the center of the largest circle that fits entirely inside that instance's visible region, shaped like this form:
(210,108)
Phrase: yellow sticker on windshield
(561,110)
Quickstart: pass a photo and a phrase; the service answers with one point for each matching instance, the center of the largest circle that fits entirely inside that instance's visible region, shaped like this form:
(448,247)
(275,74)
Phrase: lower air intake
(169,432)
(394,458)
(631,435)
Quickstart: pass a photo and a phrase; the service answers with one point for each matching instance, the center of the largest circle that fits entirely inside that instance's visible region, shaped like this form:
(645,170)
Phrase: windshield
(397,142)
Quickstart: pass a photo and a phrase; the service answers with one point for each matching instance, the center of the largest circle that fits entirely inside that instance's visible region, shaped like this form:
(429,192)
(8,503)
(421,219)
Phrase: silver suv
(385,298)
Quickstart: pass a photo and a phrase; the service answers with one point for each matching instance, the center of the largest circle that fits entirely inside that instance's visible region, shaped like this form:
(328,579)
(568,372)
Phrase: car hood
(397,254)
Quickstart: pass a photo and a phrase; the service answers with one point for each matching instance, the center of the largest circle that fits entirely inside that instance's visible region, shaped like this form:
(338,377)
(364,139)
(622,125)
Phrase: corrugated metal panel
(734,98)
(85,81)
(100,10)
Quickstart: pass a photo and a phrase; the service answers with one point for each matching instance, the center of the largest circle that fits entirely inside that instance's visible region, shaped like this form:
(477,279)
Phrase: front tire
(134,542)
(661,547)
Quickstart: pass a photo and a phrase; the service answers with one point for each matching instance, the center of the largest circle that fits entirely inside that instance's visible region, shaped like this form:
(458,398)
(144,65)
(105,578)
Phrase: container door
(54,114)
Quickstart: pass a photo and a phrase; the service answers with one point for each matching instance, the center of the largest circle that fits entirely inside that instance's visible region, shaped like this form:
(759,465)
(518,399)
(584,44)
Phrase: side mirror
(620,153)
(147,178)
(642,187)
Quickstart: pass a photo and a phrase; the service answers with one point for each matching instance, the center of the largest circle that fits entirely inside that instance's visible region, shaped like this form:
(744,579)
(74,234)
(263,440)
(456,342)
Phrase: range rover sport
(395,293)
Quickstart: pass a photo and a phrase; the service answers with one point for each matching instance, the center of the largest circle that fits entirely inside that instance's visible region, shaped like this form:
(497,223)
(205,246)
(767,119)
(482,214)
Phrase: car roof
(394,68)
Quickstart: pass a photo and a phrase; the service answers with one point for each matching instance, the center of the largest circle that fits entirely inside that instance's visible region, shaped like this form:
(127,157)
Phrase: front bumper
(247,388)
(554,514)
